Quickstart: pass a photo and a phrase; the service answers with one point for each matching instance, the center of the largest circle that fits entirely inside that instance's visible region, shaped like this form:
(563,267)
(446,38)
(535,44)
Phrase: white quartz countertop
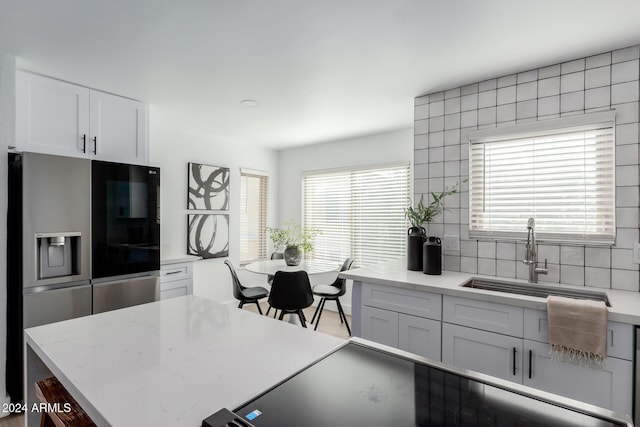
(172,362)
(625,305)
(179,259)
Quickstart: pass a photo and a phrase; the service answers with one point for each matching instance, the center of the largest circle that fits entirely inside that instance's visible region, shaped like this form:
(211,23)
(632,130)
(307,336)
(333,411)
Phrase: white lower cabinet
(531,363)
(482,351)
(176,280)
(609,387)
(415,334)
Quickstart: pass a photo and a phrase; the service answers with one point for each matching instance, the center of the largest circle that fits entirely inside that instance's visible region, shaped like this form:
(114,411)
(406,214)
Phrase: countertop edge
(394,273)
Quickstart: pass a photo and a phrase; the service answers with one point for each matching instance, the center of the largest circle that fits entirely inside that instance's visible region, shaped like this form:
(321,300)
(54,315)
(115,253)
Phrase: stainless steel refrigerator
(83,237)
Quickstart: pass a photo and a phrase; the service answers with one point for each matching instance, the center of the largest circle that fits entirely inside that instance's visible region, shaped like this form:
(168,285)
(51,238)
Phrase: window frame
(353,230)
(589,121)
(262,214)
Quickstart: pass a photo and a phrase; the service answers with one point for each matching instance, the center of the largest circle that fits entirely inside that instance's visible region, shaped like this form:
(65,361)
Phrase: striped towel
(578,330)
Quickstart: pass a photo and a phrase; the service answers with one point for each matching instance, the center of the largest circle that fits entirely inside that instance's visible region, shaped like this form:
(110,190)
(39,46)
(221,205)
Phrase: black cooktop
(362,386)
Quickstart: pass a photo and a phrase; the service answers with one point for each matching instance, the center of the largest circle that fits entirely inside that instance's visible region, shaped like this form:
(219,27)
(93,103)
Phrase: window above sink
(560,172)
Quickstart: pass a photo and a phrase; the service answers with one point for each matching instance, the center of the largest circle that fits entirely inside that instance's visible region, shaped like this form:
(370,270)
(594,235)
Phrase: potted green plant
(293,240)
(418,216)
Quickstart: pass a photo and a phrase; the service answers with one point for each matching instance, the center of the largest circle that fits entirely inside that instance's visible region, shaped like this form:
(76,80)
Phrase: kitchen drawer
(408,301)
(174,292)
(619,335)
(485,315)
(173,272)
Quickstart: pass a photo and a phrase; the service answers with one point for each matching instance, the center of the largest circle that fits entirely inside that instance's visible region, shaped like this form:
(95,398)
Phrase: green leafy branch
(422,214)
(292,234)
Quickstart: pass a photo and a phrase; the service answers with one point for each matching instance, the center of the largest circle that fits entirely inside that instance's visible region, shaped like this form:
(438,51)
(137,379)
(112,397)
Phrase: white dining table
(270,267)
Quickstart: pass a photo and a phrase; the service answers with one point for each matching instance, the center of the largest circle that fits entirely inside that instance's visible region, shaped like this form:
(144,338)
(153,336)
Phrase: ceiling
(321,70)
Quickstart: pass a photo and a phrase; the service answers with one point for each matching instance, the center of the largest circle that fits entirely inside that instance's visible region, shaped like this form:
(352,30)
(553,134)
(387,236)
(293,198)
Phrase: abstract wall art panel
(208,187)
(208,235)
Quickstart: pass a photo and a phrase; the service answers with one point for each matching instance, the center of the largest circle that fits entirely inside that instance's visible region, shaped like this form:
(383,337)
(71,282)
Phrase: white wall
(171,147)
(380,149)
(7,138)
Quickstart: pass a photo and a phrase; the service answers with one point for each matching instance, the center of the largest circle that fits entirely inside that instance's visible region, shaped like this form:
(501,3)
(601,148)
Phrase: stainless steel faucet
(531,257)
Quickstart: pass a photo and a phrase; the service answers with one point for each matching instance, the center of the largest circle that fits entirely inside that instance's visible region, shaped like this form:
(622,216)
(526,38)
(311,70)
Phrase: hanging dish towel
(578,330)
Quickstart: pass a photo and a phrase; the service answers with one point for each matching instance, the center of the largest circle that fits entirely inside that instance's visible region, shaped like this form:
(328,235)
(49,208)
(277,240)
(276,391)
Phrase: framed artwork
(208,187)
(208,235)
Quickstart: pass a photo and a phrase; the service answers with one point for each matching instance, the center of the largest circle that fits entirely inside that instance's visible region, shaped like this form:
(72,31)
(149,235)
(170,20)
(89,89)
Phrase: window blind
(253,217)
(361,214)
(563,175)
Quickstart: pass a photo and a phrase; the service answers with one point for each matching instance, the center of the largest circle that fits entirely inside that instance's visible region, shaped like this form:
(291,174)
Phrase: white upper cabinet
(55,117)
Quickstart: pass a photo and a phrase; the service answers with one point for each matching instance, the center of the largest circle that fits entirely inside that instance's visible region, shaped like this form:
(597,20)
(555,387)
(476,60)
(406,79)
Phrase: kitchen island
(168,363)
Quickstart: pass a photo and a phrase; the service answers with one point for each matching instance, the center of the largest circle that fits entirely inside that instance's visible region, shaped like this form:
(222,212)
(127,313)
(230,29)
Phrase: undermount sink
(535,290)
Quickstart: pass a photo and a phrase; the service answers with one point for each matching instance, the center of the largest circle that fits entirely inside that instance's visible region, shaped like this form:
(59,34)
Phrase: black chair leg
(313,319)
(268,310)
(341,312)
(281,315)
(275,312)
(301,316)
(259,309)
(241,304)
(321,307)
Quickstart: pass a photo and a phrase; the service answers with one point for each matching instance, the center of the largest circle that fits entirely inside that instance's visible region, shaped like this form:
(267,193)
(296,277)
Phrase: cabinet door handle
(530,361)
(173,272)
(514,360)
(84,143)
(95,145)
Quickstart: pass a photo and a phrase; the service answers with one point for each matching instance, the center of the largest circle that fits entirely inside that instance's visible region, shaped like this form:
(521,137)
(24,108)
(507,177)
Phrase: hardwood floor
(329,323)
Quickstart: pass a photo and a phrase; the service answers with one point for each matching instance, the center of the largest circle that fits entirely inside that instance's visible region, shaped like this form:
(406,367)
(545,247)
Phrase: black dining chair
(274,255)
(246,295)
(290,293)
(332,292)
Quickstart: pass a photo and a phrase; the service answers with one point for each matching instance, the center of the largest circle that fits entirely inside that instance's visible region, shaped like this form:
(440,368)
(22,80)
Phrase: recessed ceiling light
(249,103)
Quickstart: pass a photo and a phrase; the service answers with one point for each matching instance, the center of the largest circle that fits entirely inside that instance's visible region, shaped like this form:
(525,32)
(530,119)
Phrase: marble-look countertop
(625,305)
(172,362)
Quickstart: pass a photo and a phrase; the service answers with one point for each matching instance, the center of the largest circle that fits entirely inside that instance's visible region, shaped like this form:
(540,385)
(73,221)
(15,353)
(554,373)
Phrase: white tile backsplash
(625,71)
(572,255)
(624,92)
(597,77)
(598,97)
(572,275)
(627,134)
(597,277)
(526,91)
(572,82)
(626,54)
(625,280)
(551,71)
(506,113)
(469,265)
(597,257)
(469,102)
(549,87)
(573,101)
(487,266)
(506,95)
(598,83)
(599,60)
(452,105)
(506,268)
(572,66)
(487,99)
(626,155)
